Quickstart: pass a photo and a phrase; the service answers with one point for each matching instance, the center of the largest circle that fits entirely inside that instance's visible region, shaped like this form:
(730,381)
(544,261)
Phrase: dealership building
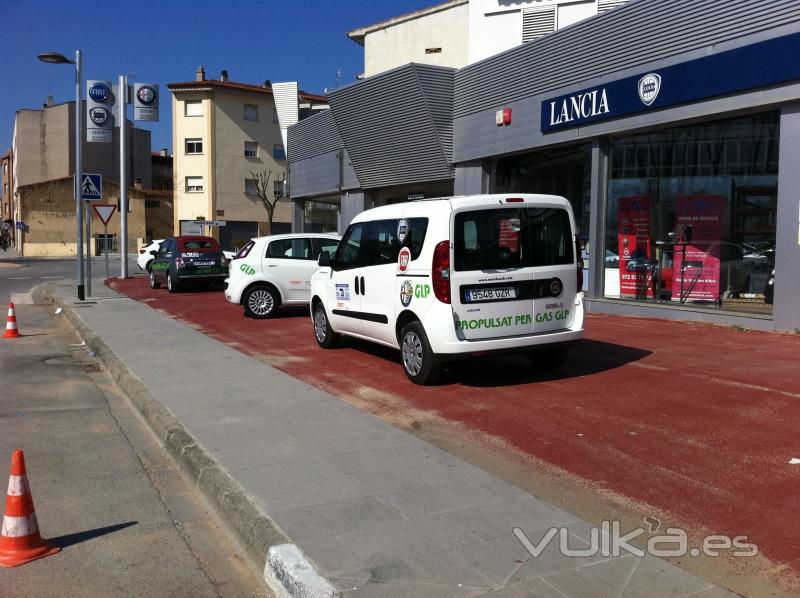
(672,126)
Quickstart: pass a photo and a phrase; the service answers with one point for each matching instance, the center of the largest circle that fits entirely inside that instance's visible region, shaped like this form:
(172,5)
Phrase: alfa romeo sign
(145,101)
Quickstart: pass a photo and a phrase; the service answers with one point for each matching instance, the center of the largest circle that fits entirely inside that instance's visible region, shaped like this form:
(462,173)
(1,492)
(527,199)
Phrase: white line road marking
(51,277)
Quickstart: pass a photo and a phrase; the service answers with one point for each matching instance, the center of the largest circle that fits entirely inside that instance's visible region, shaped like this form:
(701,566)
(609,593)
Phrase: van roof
(457,201)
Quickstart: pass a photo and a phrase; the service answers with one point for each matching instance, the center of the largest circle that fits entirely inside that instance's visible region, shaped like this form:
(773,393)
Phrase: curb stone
(286,571)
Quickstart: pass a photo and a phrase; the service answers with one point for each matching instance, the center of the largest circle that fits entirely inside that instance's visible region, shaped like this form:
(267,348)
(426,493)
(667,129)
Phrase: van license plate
(492,294)
(204,263)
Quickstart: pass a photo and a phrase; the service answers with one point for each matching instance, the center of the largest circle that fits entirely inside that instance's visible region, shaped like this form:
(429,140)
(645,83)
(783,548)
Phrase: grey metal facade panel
(318,175)
(476,135)
(349,178)
(389,130)
(313,136)
(636,33)
(437,87)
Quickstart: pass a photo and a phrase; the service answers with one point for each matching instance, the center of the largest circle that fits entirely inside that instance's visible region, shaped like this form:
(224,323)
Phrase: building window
(250,112)
(251,187)
(250,149)
(277,188)
(194,146)
(193,108)
(692,212)
(194,184)
(433,50)
(278,152)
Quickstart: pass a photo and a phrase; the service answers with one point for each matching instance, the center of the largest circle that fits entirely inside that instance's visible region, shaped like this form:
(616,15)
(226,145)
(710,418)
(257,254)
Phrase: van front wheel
(326,337)
(421,364)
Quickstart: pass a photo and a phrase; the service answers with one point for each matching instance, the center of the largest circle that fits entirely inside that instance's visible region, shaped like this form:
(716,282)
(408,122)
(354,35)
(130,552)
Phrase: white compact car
(455,277)
(275,270)
(145,258)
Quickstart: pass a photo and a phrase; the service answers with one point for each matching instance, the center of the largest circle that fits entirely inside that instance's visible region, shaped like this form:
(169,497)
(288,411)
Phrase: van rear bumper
(513,344)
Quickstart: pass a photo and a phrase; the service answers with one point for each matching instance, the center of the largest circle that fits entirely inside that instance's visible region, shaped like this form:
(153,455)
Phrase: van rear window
(512,238)
(199,245)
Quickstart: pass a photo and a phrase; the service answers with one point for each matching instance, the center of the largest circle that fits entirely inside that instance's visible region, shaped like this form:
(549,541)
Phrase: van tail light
(141,251)
(179,263)
(440,271)
(579,264)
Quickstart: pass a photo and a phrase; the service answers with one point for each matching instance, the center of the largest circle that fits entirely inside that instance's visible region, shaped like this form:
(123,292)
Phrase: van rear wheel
(549,358)
(420,363)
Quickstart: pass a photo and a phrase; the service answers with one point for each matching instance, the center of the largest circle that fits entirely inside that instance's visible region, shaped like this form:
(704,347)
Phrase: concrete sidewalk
(377,511)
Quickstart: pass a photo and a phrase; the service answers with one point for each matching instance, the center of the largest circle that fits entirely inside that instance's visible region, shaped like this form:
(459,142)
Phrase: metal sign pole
(88,249)
(123,175)
(78,167)
(105,237)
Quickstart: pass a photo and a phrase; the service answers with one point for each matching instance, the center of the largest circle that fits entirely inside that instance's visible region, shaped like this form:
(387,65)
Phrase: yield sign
(104,211)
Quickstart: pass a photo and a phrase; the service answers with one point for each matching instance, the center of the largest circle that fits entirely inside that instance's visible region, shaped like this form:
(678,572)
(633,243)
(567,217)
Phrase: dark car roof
(194,238)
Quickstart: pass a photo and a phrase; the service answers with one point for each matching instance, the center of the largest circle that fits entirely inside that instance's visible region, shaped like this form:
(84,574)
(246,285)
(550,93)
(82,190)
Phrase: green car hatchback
(180,261)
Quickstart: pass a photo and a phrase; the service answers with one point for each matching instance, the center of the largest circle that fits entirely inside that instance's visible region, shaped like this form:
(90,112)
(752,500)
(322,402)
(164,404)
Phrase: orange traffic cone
(11,324)
(20,541)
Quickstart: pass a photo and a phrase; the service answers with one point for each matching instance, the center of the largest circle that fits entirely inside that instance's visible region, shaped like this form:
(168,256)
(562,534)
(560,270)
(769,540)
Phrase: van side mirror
(324,259)
(153,252)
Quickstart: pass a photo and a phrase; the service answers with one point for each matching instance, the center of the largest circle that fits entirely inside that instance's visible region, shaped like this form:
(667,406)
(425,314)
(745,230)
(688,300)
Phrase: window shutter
(604,5)
(537,21)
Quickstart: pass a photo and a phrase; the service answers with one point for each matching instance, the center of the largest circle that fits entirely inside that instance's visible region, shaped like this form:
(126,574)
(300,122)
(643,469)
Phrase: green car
(183,260)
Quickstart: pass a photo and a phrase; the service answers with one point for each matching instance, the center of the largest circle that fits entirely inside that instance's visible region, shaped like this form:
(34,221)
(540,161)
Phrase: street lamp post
(56,58)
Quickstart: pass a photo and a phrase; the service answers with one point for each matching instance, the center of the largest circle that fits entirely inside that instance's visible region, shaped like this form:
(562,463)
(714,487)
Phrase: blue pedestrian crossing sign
(91,187)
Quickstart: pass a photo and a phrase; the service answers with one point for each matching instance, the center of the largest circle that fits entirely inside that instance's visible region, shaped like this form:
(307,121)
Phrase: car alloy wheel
(260,302)
(421,364)
(412,353)
(326,337)
(320,325)
(154,284)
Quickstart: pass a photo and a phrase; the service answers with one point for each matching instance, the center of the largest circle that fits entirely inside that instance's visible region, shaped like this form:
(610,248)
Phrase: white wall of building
(496,25)
(407,41)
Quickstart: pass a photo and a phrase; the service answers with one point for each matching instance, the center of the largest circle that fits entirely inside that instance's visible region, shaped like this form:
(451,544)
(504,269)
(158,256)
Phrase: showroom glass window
(691,214)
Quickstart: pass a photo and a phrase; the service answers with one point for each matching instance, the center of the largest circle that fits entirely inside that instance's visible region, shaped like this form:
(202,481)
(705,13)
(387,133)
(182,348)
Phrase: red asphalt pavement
(697,421)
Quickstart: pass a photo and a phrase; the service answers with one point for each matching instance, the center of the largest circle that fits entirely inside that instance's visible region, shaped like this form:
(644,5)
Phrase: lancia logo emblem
(98,115)
(649,86)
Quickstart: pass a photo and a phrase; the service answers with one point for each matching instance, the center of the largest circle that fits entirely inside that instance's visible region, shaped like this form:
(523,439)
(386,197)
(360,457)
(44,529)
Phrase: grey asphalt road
(104,490)
(20,275)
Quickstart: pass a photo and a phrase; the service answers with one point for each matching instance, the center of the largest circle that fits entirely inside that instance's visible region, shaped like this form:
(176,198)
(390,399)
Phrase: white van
(275,270)
(455,277)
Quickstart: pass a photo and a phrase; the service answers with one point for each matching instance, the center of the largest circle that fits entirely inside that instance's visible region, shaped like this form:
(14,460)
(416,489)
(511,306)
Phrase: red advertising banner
(695,262)
(633,238)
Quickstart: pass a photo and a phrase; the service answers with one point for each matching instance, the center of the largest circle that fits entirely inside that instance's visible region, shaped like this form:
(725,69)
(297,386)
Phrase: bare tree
(265,193)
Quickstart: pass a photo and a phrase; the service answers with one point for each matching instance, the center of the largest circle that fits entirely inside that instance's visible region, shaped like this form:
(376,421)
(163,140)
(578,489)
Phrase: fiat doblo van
(447,278)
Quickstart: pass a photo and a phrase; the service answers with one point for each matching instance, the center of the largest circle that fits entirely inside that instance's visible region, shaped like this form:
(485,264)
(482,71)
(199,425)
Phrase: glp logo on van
(649,86)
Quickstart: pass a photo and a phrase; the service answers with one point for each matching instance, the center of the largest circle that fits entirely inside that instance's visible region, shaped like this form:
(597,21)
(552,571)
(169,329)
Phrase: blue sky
(164,42)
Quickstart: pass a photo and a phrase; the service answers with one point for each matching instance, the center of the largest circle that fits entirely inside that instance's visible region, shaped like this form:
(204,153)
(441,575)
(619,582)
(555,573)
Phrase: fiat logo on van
(403,259)
(649,86)
(556,287)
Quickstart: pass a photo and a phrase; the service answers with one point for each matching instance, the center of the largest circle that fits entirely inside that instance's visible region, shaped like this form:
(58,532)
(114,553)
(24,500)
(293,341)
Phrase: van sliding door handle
(362,285)
(356,285)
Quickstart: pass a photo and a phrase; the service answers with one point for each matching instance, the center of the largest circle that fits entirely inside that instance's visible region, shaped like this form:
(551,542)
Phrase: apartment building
(225,136)
(460,32)
(43,151)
